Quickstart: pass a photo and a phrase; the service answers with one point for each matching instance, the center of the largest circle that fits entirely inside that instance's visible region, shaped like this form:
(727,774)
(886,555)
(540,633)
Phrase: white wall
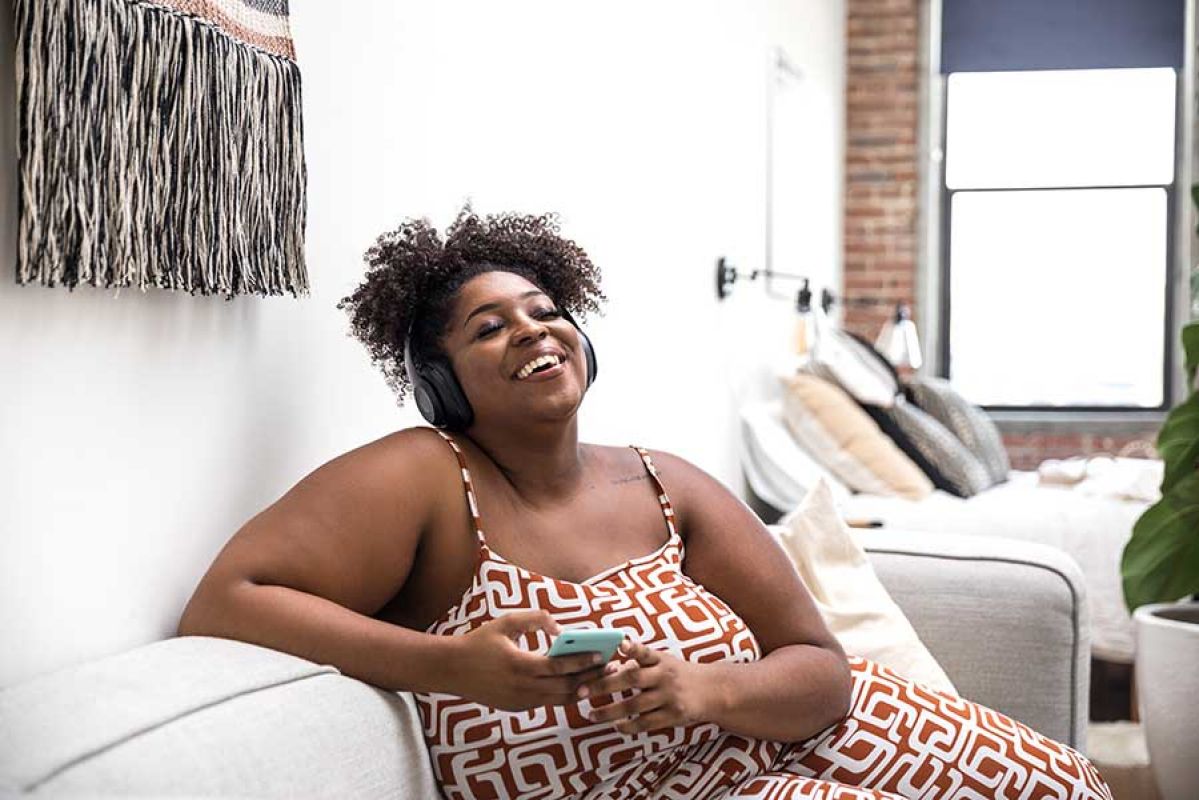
(139,431)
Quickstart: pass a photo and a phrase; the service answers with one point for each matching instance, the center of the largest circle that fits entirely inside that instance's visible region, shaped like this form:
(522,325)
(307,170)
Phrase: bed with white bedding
(1090,527)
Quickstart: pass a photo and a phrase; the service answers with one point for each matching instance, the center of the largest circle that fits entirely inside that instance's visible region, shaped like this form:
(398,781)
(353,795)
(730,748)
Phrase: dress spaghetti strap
(663,499)
(473,503)
(468,485)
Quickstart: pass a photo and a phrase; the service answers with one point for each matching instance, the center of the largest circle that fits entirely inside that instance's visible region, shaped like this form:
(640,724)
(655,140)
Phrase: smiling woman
(440,396)
(413,277)
(728,684)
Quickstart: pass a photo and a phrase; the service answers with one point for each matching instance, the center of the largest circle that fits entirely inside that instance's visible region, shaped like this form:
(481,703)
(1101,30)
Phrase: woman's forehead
(493,287)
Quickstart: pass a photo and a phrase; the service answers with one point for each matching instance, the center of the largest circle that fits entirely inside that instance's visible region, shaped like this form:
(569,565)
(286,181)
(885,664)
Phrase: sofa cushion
(849,596)
(1008,620)
(831,427)
(968,422)
(204,716)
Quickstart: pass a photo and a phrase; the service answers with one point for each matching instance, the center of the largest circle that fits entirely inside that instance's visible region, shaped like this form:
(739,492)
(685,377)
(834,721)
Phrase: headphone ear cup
(589,352)
(455,411)
(439,396)
(585,343)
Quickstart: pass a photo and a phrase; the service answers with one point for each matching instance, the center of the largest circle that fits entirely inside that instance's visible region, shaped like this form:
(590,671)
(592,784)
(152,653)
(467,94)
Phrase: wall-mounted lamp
(897,341)
(727,275)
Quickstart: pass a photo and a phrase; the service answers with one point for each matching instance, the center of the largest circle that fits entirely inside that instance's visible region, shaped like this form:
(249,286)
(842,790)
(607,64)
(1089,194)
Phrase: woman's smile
(545,373)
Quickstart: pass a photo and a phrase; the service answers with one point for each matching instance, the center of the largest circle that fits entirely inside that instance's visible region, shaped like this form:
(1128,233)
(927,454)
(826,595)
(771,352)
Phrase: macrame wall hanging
(160,144)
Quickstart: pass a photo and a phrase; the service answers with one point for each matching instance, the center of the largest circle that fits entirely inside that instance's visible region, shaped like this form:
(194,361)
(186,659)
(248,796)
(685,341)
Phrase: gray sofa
(208,717)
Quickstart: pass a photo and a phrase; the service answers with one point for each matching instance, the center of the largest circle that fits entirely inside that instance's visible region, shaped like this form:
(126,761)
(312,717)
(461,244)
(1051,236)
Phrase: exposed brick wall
(882,183)
(1027,450)
(881,176)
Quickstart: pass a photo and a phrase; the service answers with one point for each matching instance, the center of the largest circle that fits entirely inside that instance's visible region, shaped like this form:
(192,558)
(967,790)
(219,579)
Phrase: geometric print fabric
(900,739)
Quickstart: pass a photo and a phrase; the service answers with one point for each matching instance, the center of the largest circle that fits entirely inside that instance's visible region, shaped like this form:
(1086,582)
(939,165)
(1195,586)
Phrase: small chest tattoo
(630,478)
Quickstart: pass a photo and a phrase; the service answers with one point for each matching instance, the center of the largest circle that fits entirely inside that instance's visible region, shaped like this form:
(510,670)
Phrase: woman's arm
(305,575)
(800,686)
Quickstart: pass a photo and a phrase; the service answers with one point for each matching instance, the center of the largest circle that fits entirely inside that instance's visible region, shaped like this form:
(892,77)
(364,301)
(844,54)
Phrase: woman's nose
(531,329)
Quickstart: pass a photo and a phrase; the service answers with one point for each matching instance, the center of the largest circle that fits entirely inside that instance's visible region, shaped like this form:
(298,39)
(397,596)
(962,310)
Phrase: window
(1058,200)
(1058,190)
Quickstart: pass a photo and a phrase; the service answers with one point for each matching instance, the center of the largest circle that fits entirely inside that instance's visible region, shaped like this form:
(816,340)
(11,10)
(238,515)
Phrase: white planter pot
(1167,675)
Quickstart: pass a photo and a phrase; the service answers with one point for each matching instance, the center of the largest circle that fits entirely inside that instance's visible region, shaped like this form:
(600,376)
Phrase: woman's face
(499,327)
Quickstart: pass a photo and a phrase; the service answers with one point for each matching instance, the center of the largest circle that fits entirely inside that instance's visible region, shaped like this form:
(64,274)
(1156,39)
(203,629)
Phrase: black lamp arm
(727,275)
(828,300)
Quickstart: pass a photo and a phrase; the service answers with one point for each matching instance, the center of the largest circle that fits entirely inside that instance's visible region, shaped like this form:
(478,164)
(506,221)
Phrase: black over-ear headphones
(438,394)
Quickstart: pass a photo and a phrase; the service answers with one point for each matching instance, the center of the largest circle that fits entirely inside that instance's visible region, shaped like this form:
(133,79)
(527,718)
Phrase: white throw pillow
(778,469)
(852,600)
(840,359)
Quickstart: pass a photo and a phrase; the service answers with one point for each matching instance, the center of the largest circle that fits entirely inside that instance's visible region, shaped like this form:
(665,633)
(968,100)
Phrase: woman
(443,563)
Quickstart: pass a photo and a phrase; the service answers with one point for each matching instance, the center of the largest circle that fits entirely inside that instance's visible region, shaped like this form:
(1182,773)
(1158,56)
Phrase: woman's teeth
(528,369)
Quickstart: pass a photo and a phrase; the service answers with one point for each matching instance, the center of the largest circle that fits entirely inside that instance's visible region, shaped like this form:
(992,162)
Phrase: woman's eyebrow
(494,306)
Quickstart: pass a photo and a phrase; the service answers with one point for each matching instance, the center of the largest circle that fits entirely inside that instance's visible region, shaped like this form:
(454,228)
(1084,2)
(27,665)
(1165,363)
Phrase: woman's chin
(556,407)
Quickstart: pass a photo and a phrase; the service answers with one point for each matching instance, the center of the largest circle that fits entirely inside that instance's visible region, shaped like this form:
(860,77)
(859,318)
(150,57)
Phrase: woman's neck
(544,464)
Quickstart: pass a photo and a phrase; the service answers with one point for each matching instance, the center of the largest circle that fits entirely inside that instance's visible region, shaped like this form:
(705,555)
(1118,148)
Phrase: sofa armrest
(1007,620)
(199,716)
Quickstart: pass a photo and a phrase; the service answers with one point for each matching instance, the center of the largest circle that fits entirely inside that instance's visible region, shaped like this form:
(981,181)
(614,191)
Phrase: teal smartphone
(592,640)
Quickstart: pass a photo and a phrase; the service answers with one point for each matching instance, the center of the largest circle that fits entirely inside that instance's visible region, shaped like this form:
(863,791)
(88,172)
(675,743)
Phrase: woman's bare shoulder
(412,445)
(691,489)
(411,456)
(679,469)
(349,530)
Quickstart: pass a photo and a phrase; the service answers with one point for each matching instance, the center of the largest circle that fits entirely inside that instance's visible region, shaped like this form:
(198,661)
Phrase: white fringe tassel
(155,151)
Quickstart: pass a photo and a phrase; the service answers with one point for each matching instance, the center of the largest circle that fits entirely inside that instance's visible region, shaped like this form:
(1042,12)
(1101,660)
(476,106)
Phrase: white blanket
(1105,476)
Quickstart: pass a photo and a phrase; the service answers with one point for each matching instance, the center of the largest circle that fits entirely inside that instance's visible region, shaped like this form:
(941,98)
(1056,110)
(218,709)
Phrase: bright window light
(1057,298)
(1105,127)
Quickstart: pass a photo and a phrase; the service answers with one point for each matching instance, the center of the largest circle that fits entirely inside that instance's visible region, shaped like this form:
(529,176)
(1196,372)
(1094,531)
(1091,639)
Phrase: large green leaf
(1161,560)
(1190,351)
(1178,443)
(1195,199)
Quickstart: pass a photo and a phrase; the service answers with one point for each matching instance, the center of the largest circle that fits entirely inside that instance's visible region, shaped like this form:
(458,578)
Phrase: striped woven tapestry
(160,145)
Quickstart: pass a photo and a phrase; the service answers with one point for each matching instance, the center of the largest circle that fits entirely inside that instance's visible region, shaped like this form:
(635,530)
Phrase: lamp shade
(805,333)
(898,341)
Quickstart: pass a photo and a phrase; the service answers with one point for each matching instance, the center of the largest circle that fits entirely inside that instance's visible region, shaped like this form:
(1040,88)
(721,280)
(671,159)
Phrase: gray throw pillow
(945,460)
(968,422)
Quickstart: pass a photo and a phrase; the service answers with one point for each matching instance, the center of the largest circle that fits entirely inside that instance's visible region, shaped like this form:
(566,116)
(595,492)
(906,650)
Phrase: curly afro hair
(413,274)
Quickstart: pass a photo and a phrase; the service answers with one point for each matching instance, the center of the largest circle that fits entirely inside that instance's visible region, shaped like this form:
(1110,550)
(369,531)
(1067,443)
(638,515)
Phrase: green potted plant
(1161,560)
(1160,569)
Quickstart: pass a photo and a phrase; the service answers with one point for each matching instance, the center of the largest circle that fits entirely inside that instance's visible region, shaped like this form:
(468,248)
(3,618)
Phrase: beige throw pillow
(844,440)
(852,600)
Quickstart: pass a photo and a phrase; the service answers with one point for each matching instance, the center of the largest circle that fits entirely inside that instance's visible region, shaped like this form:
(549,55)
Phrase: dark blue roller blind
(1005,35)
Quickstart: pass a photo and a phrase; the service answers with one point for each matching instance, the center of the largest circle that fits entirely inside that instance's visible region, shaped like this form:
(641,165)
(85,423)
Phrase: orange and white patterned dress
(899,740)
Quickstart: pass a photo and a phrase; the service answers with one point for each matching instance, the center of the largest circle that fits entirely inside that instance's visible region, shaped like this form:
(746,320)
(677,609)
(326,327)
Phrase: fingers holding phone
(498,672)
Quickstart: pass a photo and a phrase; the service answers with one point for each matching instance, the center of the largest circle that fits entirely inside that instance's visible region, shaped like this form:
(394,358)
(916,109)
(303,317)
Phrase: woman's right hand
(491,669)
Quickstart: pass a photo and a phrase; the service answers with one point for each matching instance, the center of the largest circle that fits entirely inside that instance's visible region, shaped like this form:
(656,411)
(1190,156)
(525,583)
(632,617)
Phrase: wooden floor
(1113,699)
(1129,783)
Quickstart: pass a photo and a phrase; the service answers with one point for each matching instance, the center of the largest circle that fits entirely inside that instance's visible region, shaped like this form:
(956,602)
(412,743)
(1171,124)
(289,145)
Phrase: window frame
(943,267)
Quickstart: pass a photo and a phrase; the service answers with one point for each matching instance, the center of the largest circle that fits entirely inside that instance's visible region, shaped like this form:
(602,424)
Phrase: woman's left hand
(670,691)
